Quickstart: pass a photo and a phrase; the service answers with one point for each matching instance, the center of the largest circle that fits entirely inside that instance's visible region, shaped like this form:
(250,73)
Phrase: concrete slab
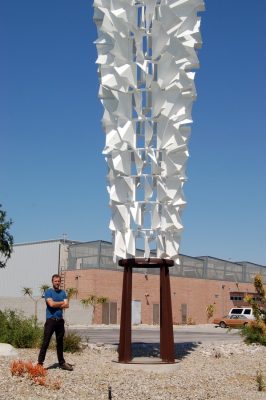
(148,364)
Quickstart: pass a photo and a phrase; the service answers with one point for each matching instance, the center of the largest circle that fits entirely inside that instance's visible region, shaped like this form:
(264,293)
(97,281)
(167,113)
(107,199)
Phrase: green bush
(3,328)
(19,331)
(22,332)
(72,343)
(255,333)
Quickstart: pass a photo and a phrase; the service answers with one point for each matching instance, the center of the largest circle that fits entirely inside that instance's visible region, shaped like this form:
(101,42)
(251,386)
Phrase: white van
(247,311)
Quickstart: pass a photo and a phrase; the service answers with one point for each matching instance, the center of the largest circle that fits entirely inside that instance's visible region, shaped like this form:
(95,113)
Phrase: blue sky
(52,170)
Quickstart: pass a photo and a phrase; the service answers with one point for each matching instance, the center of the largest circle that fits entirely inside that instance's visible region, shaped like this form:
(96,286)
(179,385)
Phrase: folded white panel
(146,53)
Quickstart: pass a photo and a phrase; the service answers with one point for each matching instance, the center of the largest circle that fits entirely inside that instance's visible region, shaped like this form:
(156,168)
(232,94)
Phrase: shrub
(260,381)
(37,373)
(255,333)
(19,368)
(3,328)
(18,330)
(72,343)
(22,332)
(210,311)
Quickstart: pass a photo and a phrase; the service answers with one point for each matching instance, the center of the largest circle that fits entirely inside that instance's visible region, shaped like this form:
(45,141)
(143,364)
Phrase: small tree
(210,311)
(43,288)
(29,292)
(6,239)
(259,303)
(93,300)
(71,292)
(256,331)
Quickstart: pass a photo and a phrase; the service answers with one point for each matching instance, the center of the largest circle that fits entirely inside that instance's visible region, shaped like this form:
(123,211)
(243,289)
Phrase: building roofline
(230,261)
(75,242)
(95,241)
(217,258)
(47,241)
(248,262)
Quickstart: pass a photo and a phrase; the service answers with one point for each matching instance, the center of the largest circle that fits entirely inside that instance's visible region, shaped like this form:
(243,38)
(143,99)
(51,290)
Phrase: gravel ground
(202,371)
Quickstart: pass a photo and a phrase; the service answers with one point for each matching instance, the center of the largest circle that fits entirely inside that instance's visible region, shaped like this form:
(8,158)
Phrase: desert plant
(18,368)
(3,327)
(29,292)
(256,331)
(37,373)
(259,304)
(43,289)
(71,292)
(260,381)
(72,343)
(93,300)
(18,330)
(210,311)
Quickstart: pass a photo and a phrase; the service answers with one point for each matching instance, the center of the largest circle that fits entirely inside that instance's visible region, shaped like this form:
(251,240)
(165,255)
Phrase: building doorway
(109,313)
(156,314)
(136,312)
(183,313)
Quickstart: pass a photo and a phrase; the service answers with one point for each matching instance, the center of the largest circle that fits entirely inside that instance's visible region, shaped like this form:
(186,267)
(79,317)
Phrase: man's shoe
(66,366)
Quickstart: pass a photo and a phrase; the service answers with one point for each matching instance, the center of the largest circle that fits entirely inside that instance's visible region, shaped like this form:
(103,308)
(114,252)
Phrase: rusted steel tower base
(166,320)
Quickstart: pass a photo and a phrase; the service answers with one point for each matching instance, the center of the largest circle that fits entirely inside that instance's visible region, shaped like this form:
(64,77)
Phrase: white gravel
(223,371)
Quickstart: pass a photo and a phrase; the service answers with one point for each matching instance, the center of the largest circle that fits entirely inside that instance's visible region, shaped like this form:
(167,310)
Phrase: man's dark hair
(56,276)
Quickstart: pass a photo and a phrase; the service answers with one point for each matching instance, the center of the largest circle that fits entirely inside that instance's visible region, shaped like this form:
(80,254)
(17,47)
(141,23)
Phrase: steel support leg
(124,353)
(166,320)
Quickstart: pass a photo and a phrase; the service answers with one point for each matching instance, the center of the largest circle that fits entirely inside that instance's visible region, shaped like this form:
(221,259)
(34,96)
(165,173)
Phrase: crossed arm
(57,304)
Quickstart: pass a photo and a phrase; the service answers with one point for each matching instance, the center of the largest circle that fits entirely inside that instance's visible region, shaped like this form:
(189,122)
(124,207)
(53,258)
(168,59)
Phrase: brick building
(195,283)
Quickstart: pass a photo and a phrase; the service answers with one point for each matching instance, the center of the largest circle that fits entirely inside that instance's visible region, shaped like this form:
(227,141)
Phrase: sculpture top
(146,54)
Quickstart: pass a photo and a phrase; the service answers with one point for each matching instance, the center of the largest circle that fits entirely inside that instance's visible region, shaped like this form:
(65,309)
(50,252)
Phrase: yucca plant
(93,300)
(27,291)
(71,292)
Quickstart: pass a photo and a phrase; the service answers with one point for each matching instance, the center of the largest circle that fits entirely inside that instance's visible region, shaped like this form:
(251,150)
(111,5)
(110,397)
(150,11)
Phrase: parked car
(246,311)
(232,321)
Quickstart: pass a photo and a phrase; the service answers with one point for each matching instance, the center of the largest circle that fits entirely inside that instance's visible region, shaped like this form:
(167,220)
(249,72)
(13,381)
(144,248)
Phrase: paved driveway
(147,334)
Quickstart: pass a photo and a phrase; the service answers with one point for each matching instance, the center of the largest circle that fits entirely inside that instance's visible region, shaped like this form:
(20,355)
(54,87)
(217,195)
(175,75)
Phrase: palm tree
(93,300)
(27,291)
(43,288)
(71,292)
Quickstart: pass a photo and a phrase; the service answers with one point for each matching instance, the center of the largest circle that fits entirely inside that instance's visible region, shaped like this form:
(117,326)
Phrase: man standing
(56,301)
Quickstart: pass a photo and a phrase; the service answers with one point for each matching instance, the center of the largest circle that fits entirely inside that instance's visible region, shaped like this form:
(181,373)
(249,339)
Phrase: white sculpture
(146,51)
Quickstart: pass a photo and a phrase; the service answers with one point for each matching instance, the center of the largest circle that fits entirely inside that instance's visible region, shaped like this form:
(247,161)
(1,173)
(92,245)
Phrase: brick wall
(196,294)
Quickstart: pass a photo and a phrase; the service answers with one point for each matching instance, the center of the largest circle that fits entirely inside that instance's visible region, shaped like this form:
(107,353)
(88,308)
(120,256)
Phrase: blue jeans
(53,325)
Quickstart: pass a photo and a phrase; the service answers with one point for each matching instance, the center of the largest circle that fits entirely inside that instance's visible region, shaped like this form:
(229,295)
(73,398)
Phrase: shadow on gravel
(53,366)
(141,349)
